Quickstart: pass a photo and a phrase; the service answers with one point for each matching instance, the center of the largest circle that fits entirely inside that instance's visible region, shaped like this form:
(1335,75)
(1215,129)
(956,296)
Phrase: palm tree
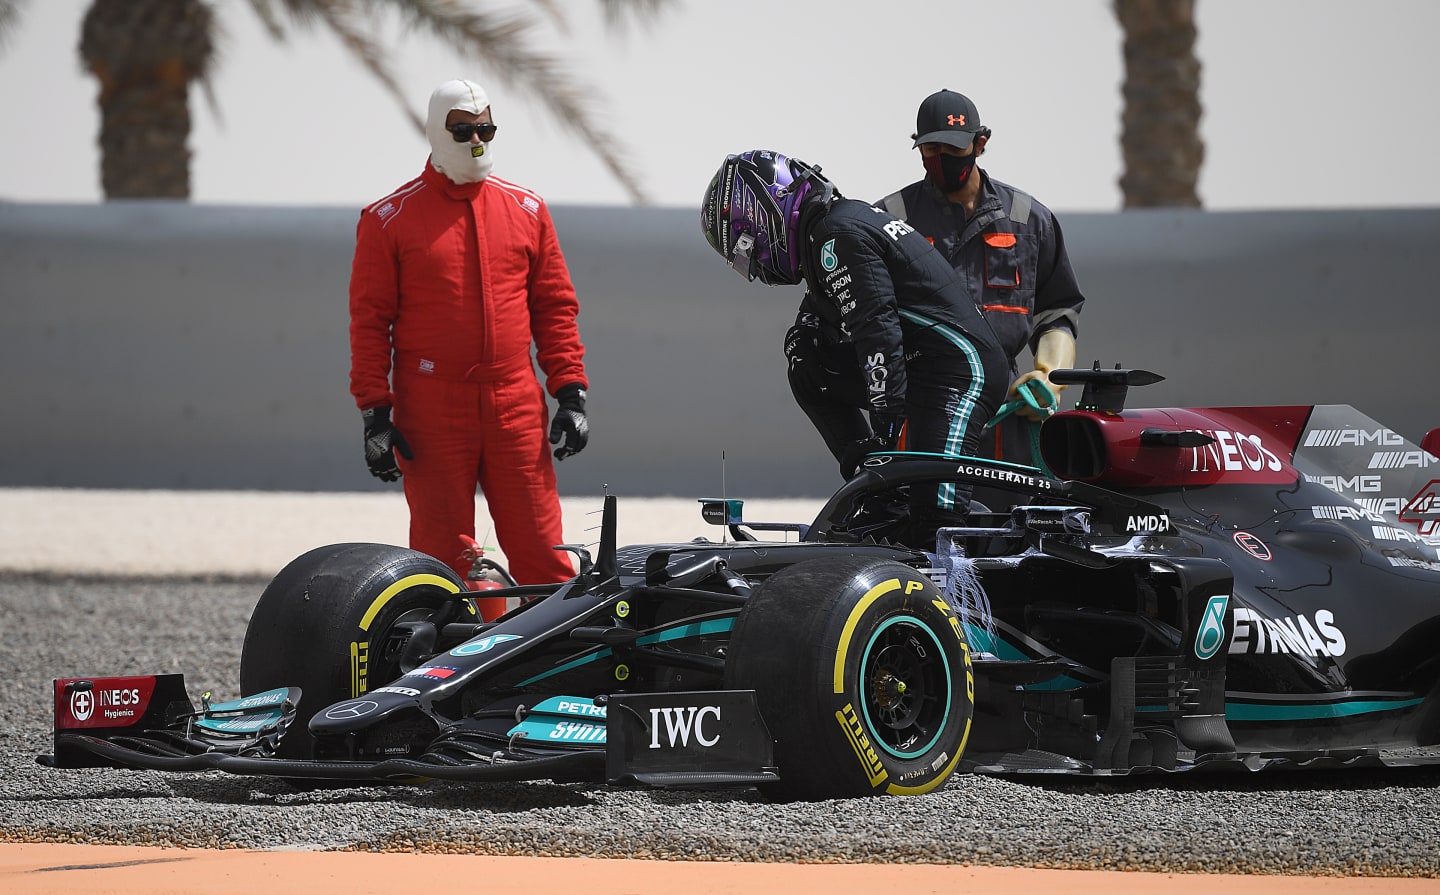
(1160,136)
(145,54)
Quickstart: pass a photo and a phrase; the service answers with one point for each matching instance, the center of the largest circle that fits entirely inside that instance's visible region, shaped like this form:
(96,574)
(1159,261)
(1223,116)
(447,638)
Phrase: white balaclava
(461,162)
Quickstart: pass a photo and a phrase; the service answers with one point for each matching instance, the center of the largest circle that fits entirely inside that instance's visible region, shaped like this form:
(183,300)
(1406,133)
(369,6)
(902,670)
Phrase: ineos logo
(348,710)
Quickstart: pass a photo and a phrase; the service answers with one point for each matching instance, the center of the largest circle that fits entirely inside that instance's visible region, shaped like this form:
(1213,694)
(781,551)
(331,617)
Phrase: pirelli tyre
(324,624)
(862,675)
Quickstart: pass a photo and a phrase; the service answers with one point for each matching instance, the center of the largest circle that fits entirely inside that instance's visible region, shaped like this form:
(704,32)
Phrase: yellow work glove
(1055,351)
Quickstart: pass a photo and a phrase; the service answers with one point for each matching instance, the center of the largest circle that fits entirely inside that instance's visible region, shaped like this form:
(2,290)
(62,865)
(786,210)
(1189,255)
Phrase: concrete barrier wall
(162,345)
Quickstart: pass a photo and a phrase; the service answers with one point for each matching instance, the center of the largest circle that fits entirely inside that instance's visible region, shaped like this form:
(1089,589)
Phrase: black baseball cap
(947,117)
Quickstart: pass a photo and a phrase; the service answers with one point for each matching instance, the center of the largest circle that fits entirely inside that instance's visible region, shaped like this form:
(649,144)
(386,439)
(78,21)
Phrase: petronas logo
(1212,627)
(827,257)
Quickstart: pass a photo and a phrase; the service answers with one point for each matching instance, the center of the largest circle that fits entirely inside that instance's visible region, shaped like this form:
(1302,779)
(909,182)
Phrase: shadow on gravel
(1275,780)
(498,797)
(686,797)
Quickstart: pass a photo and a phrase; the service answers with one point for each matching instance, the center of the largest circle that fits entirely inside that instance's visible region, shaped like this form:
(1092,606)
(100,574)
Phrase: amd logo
(1147,523)
(681,723)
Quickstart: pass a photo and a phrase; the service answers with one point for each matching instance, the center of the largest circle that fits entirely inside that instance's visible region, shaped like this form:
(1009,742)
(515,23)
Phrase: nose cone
(361,713)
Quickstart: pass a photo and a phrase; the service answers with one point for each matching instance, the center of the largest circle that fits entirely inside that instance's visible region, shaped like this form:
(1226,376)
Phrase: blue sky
(1307,103)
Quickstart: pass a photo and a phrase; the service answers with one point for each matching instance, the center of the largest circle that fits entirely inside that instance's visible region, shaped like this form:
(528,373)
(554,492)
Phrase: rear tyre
(862,674)
(324,621)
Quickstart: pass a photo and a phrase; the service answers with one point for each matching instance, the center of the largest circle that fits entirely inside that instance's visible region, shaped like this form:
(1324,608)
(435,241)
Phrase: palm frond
(504,43)
(370,54)
(9,18)
(553,12)
(265,12)
(620,13)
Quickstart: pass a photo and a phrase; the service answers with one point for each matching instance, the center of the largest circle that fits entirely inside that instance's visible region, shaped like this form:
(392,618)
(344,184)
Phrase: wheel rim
(905,687)
(385,662)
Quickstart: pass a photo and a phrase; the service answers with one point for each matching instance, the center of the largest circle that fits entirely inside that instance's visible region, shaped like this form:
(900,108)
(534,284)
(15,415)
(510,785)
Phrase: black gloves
(382,440)
(802,356)
(886,427)
(886,434)
(569,422)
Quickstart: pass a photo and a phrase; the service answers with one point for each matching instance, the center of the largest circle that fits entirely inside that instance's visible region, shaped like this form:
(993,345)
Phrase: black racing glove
(382,441)
(887,426)
(854,454)
(569,422)
(886,434)
(802,356)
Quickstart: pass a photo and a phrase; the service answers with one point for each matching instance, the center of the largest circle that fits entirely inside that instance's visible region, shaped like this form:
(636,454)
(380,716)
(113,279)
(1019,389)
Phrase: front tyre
(862,674)
(327,624)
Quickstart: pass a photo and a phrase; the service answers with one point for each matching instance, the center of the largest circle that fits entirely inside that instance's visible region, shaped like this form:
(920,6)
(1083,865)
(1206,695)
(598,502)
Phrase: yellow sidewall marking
(895,789)
(874,594)
(403,584)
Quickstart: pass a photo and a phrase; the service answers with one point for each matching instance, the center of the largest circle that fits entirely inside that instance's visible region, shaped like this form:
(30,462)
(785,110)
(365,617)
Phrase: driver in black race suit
(886,328)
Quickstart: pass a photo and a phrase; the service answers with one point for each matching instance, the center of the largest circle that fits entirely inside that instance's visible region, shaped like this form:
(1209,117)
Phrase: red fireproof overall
(455,282)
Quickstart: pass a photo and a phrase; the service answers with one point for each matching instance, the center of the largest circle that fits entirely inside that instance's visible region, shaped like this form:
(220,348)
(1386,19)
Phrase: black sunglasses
(463,132)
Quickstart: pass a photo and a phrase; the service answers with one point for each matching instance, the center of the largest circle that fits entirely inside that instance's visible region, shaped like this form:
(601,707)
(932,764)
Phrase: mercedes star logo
(356,709)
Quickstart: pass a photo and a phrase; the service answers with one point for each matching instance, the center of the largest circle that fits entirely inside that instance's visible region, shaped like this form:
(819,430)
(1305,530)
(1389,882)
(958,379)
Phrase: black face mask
(949,172)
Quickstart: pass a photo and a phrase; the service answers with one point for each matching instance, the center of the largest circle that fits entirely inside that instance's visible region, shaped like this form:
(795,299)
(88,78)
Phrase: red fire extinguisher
(485,574)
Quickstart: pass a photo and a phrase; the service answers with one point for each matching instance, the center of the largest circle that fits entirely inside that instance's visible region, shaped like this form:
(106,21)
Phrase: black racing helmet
(751,213)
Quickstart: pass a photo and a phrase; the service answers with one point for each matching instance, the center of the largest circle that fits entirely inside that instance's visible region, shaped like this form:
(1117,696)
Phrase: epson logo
(679,724)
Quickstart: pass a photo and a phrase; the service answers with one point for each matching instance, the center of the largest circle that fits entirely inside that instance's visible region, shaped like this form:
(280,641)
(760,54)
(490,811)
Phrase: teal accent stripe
(1251,711)
(945,493)
(679,632)
(980,641)
(694,629)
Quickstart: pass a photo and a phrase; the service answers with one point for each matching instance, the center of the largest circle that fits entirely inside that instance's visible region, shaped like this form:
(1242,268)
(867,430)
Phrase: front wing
(690,739)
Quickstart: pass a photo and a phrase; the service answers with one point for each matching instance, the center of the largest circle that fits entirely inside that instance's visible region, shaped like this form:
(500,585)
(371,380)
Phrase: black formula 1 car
(1228,588)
